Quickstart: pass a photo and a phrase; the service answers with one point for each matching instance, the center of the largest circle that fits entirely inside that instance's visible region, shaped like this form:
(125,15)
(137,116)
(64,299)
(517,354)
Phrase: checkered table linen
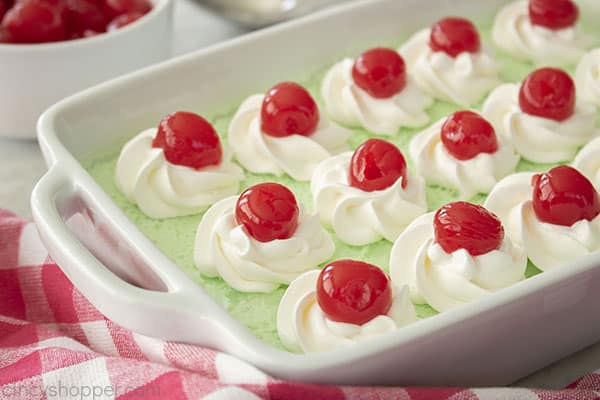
(55,345)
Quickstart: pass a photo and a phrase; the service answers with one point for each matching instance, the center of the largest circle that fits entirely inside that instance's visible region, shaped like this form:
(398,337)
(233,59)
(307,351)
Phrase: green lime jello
(257,311)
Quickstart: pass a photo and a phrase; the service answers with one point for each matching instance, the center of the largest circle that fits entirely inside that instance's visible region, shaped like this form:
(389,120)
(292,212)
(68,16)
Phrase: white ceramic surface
(491,342)
(35,76)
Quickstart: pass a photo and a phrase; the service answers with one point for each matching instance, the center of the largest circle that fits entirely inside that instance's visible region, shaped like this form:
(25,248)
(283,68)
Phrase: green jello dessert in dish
(175,235)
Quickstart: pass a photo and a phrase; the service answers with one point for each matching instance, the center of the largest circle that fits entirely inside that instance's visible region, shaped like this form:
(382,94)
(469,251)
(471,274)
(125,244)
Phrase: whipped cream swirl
(351,105)
(514,33)
(302,325)
(547,245)
(538,139)
(469,177)
(295,155)
(445,281)
(587,77)
(463,80)
(165,190)
(224,248)
(360,217)
(588,162)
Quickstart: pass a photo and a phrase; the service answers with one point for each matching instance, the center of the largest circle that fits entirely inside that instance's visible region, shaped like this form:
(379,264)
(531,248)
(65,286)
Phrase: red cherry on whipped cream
(454,36)
(563,196)
(289,109)
(376,165)
(468,226)
(189,140)
(553,14)
(466,134)
(548,93)
(268,211)
(354,292)
(380,72)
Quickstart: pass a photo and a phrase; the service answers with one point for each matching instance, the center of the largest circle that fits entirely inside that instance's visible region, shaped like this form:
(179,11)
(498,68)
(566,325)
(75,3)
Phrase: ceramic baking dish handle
(123,302)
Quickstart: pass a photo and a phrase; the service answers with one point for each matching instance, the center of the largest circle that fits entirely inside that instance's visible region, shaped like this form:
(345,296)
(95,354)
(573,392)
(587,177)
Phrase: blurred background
(258,13)
(199,23)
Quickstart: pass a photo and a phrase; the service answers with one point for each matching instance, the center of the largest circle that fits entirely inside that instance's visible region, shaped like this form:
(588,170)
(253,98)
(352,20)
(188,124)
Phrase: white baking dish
(490,342)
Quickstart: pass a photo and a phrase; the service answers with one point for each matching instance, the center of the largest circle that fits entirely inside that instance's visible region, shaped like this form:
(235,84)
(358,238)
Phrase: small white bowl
(35,76)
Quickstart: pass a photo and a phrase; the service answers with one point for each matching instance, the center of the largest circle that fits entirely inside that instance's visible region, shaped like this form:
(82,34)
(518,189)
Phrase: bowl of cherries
(51,49)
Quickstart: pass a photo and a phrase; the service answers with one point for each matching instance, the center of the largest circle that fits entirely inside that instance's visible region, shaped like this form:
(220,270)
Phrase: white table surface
(21,165)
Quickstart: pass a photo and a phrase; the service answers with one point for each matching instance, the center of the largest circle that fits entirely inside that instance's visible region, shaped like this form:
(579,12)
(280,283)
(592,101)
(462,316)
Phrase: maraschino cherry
(268,211)
(119,7)
(466,134)
(454,36)
(553,14)
(377,165)
(84,16)
(4,6)
(354,292)
(189,140)
(5,36)
(41,21)
(289,109)
(548,93)
(563,196)
(380,72)
(35,21)
(463,225)
(122,20)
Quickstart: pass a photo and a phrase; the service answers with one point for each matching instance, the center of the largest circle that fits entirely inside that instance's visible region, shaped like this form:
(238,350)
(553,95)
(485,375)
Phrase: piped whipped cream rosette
(449,62)
(369,194)
(260,240)
(588,162)
(178,169)
(456,255)
(375,93)
(543,31)
(345,303)
(553,215)
(541,117)
(587,77)
(283,132)
(464,153)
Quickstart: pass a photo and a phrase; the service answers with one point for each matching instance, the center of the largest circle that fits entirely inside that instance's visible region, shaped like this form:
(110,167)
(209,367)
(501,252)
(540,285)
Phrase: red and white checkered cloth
(55,344)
